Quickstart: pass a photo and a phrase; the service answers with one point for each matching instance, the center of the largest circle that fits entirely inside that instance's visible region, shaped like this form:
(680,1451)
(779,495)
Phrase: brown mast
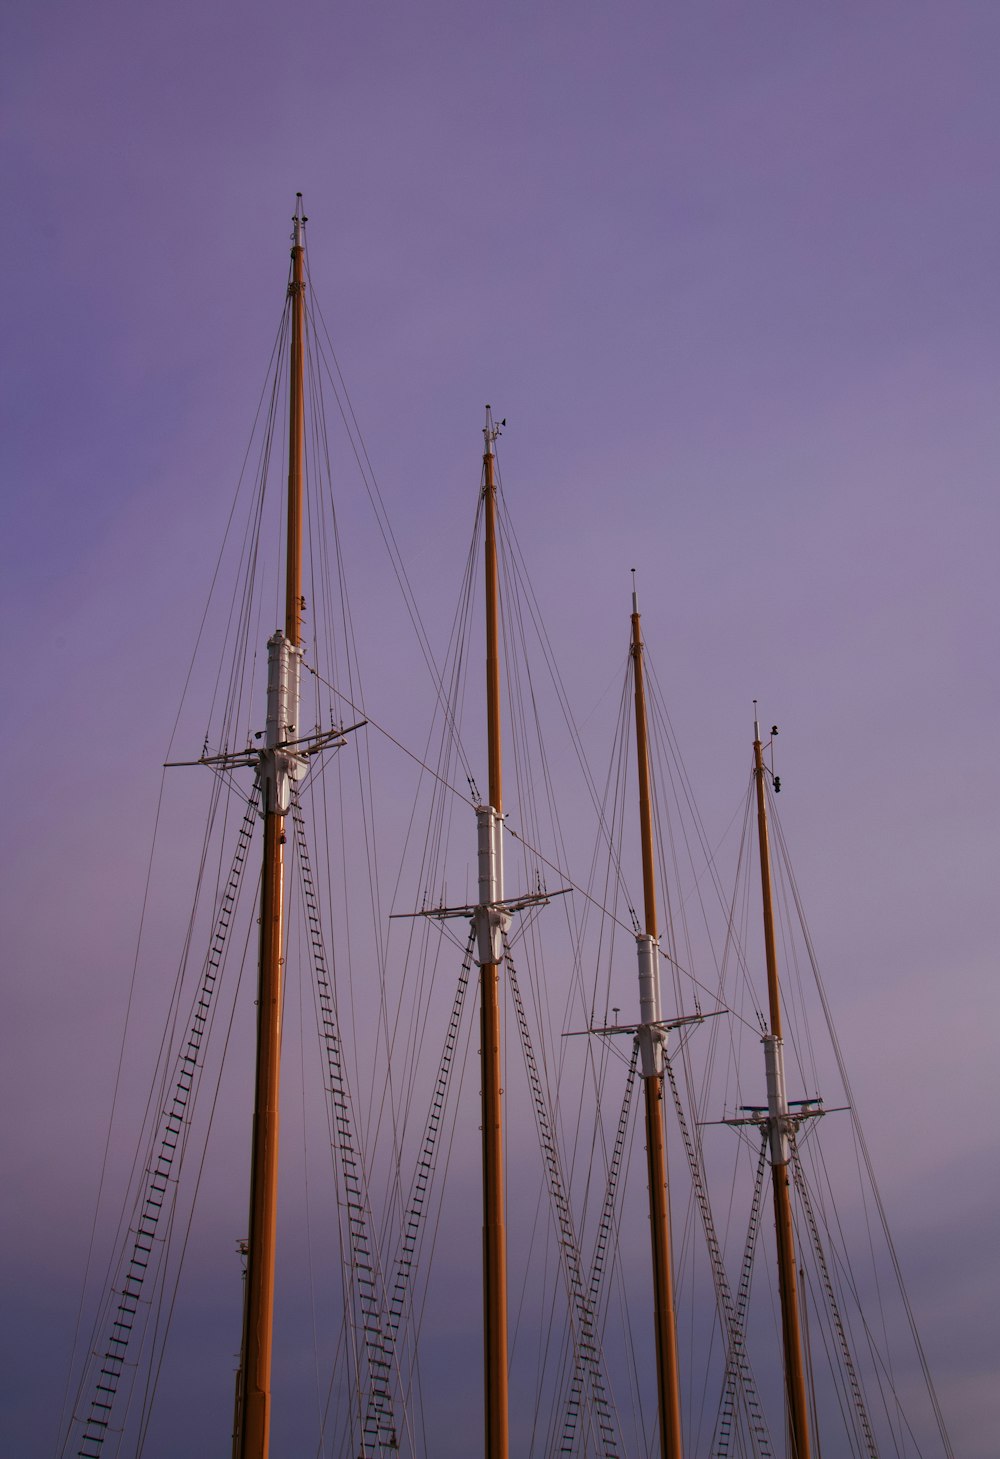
(780,1129)
(490,923)
(277,769)
(296,435)
(652,1040)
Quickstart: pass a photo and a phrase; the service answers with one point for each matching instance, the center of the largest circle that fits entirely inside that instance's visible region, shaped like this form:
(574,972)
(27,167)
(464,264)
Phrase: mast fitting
(299,220)
(779,1125)
(490,920)
(651,1035)
(491,431)
(278,767)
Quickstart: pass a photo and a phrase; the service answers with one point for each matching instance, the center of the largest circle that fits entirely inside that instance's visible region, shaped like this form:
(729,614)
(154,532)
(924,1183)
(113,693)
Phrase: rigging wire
(865,1153)
(64,1415)
(393,1104)
(363,460)
(165,1132)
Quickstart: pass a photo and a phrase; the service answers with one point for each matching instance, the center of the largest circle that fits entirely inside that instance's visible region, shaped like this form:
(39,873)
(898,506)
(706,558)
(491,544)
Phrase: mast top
(756,727)
(491,431)
(299,221)
(635,595)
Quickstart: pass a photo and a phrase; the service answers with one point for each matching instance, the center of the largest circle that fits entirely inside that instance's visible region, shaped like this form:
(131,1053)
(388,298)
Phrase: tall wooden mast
(277,769)
(491,920)
(652,1040)
(780,1129)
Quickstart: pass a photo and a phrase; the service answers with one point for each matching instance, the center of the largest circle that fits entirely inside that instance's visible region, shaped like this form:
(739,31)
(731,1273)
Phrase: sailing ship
(588,1349)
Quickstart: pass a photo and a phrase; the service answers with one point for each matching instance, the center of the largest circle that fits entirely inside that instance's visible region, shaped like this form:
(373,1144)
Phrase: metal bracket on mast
(652,1030)
(284,759)
(279,768)
(782,1117)
(779,1128)
(651,1036)
(654,1035)
(490,919)
(491,915)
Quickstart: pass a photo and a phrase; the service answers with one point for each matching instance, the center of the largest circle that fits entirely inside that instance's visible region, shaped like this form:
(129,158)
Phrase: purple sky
(730,272)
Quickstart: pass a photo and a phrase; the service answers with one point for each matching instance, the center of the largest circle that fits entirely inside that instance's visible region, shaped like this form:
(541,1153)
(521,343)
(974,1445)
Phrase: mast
(491,921)
(652,1041)
(277,769)
(780,1130)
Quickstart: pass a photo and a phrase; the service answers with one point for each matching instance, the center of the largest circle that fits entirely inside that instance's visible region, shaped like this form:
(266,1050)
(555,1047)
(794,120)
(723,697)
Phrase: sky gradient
(730,273)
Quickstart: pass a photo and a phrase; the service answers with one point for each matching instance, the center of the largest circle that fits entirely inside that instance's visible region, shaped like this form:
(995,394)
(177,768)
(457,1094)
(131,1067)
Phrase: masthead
(299,220)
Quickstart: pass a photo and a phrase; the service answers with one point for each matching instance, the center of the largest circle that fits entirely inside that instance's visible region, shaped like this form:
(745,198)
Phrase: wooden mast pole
(778,1129)
(296,435)
(490,924)
(254,1417)
(651,1047)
